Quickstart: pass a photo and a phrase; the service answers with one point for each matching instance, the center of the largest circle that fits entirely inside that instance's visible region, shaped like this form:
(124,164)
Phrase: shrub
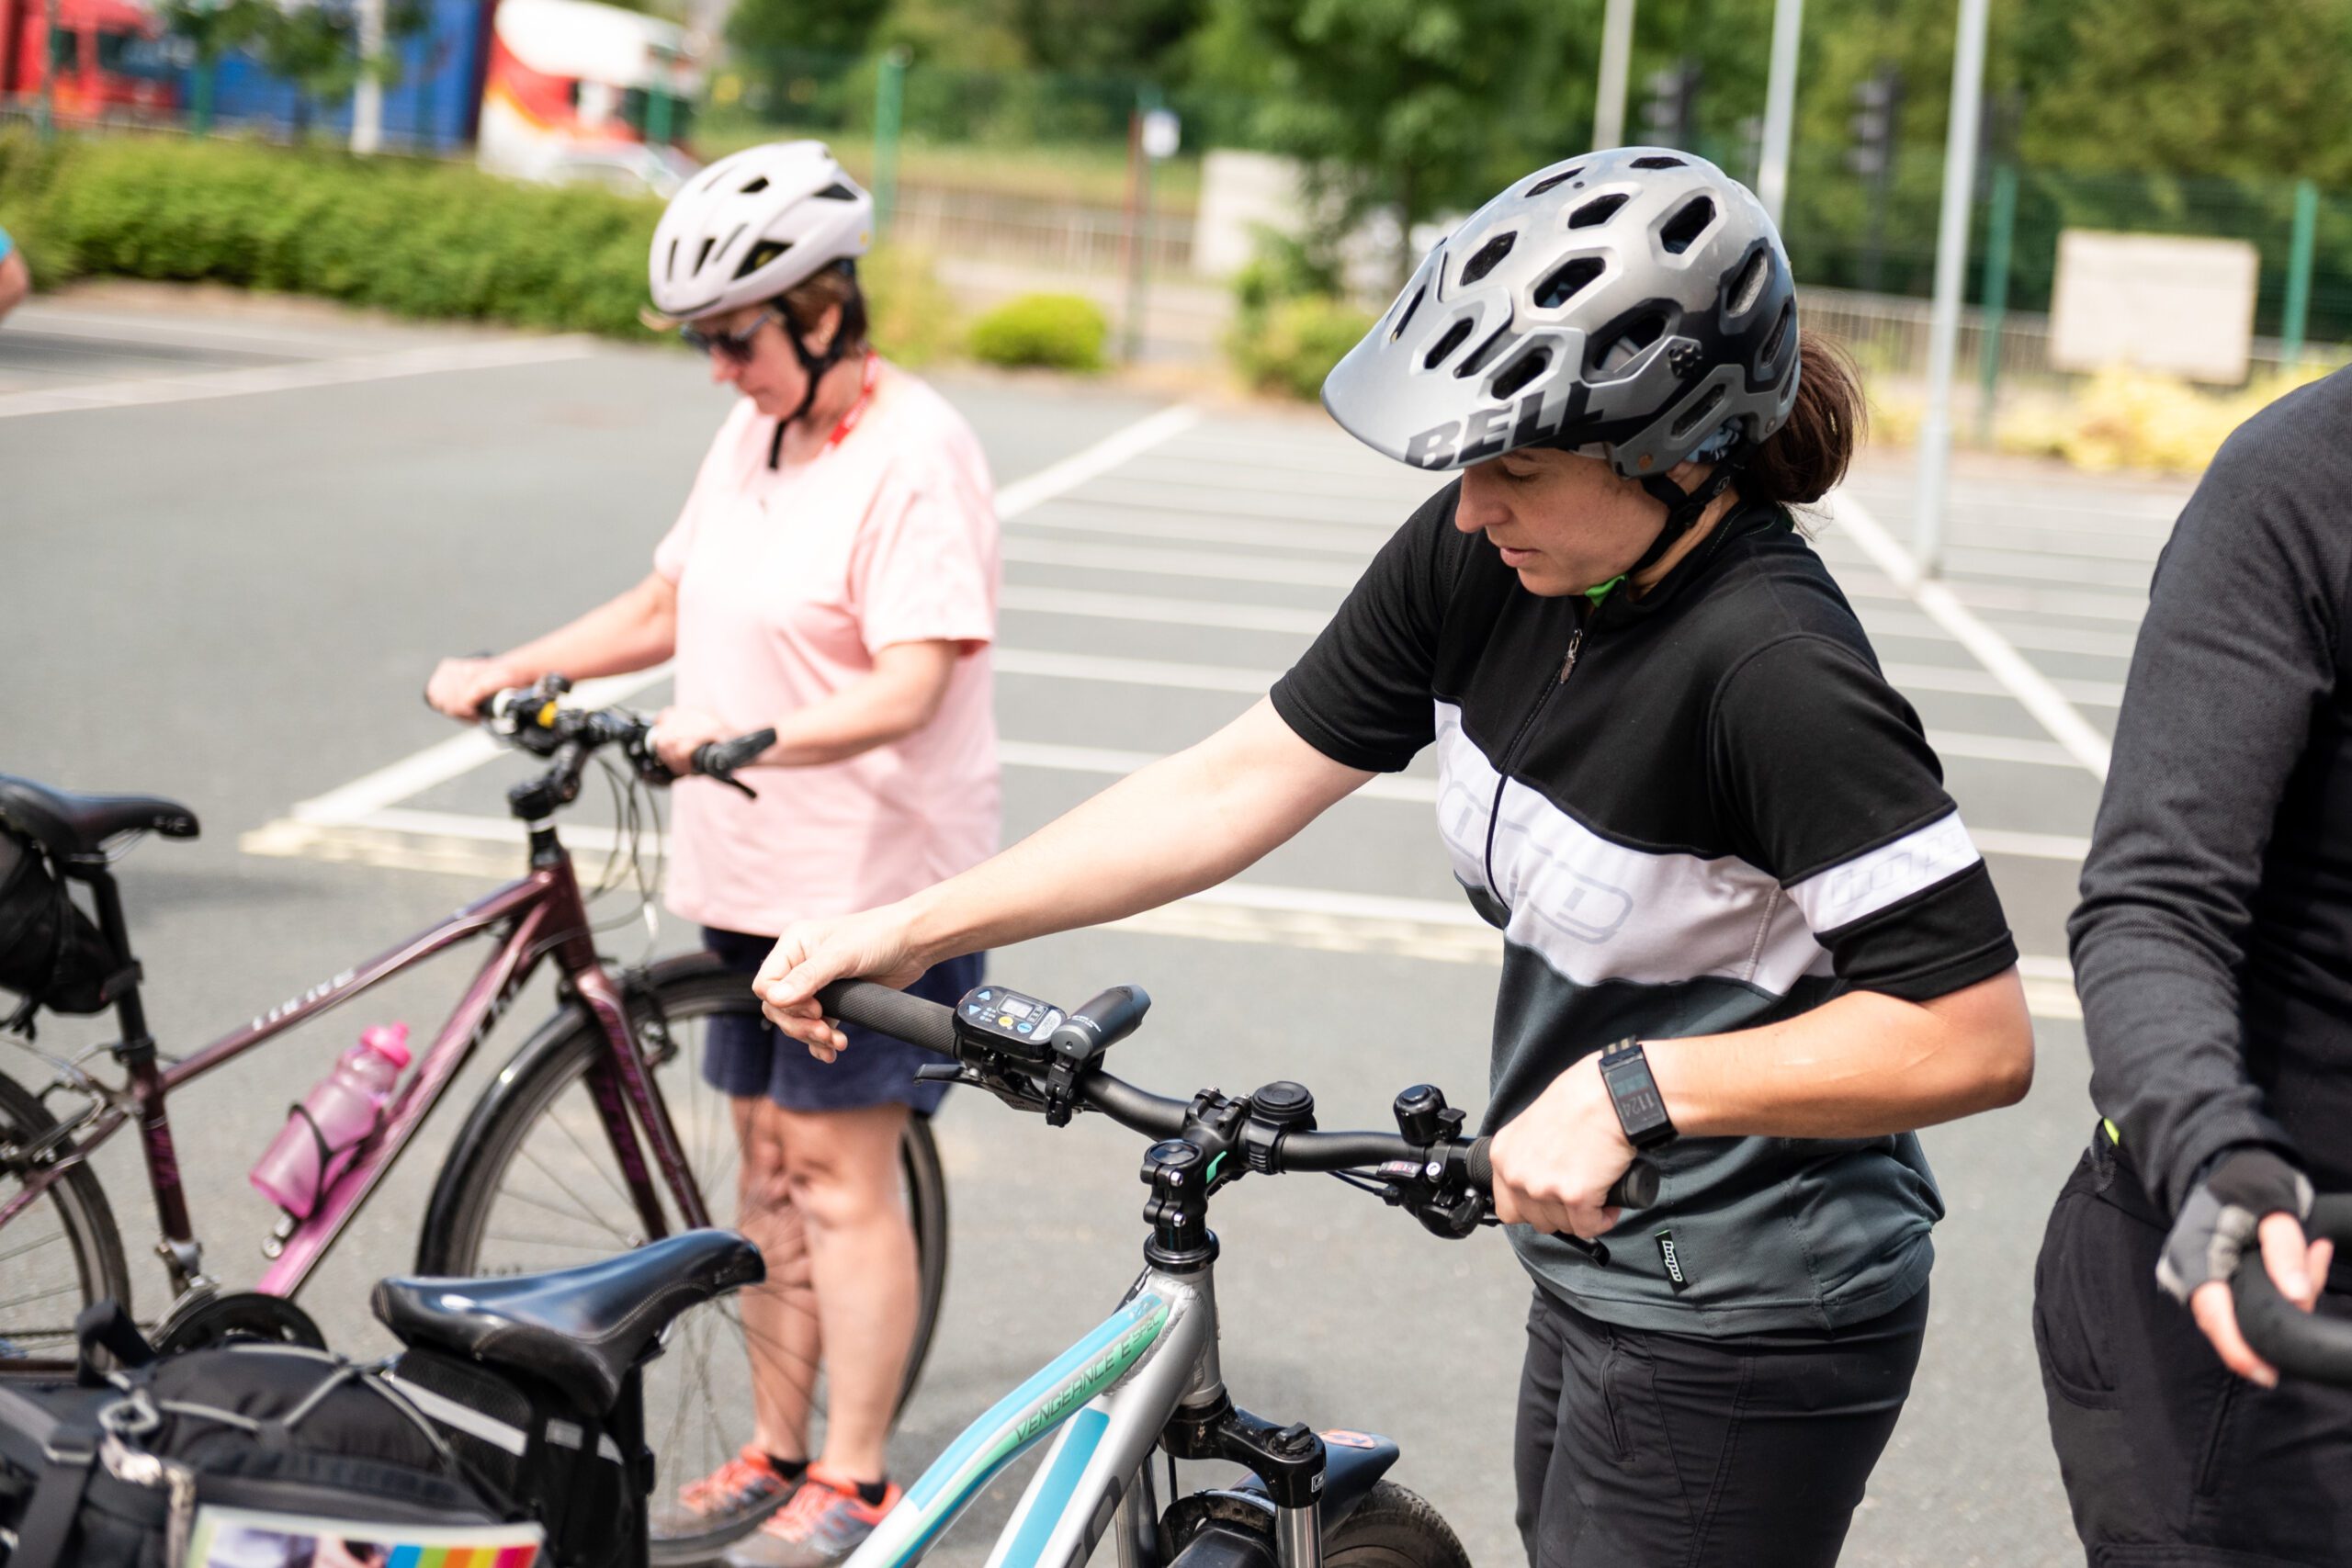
(910,315)
(413,236)
(1290,324)
(1062,332)
(1294,342)
(2128,418)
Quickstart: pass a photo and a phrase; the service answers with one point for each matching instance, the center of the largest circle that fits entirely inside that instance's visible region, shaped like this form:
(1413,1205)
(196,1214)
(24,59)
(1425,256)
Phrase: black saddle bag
(584,1476)
(114,1476)
(51,953)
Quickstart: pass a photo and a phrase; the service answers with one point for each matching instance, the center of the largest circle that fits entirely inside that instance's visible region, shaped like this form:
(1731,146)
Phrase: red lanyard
(857,408)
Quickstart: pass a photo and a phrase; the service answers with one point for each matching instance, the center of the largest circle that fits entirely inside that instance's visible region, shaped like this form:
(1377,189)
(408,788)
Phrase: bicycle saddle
(73,824)
(582,1329)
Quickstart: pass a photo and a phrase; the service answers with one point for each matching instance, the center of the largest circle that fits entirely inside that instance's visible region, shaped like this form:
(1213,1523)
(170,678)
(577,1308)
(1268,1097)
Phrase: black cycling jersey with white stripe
(1695,810)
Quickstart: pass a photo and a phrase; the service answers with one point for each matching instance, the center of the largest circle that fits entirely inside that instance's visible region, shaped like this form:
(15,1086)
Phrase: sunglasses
(733,347)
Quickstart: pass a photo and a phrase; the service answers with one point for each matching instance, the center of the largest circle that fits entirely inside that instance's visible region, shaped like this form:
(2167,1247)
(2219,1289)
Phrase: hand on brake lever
(1555,1162)
(677,731)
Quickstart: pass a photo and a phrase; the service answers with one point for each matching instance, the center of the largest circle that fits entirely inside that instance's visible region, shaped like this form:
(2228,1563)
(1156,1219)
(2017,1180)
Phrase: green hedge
(1292,344)
(1060,332)
(412,236)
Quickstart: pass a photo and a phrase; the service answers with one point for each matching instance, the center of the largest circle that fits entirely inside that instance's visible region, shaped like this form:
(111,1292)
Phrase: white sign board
(1162,133)
(2153,302)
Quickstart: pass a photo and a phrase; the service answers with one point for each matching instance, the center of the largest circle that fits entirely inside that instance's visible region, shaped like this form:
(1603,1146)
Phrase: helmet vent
(1522,370)
(1684,228)
(1750,286)
(1487,255)
(761,254)
(1596,213)
(703,254)
(1780,334)
(1406,317)
(1475,360)
(1610,355)
(1708,403)
(1558,288)
(1446,345)
(1540,187)
(673,258)
(837,192)
(1658,161)
(759,183)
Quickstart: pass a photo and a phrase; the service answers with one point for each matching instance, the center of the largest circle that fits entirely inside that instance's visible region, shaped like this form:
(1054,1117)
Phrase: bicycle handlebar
(931,1026)
(532,717)
(2299,1343)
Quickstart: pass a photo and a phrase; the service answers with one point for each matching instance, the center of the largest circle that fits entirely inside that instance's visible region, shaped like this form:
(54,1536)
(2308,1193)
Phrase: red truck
(111,57)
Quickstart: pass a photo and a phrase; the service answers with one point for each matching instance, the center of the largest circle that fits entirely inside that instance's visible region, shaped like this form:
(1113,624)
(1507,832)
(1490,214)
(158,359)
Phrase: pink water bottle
(319,1140)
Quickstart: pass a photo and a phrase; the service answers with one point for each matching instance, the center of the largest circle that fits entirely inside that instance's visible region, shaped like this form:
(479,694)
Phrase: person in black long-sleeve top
(2213,952)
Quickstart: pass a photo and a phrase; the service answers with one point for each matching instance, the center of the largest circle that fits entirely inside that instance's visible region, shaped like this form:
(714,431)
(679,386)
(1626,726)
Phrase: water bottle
(325,1131)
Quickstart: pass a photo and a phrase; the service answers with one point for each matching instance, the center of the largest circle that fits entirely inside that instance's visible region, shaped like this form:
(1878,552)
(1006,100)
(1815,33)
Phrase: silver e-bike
(1148,1376)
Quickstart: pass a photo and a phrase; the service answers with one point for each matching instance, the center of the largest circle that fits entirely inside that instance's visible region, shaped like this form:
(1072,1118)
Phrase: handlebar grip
(721,758)
(1637,1189)
(887,1011)
(2297,1343)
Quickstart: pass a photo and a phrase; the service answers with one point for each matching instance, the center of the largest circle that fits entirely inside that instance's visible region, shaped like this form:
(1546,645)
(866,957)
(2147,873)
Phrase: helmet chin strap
(1682,507)
(812,365)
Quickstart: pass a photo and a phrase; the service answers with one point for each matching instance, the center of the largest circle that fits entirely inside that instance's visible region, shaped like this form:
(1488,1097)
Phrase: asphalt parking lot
(236,540)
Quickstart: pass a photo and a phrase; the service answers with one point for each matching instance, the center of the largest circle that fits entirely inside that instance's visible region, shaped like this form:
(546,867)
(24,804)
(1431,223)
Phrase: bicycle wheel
(61,1254)
(1394,1528)
(533,1185)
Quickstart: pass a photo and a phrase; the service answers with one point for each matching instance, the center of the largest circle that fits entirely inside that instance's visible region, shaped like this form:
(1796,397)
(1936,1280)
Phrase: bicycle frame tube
(546,913)
(1111,1395)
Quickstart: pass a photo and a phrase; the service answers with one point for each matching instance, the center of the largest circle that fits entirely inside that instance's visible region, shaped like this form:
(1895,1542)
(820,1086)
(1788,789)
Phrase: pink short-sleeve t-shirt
(789,581)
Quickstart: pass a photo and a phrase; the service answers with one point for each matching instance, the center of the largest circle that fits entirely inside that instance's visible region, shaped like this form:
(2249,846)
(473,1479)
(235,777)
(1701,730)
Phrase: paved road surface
(236,542)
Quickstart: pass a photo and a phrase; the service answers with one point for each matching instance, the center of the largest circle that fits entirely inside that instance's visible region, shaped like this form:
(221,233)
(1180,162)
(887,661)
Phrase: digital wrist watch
(1640,1111)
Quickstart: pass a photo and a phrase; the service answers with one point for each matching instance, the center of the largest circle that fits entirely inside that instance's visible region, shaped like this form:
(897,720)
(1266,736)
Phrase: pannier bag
(117,1475)
(567,1468)
(51,953)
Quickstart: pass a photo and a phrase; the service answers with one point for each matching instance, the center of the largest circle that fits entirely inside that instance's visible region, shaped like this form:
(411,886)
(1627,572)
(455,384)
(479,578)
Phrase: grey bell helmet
(1633,305)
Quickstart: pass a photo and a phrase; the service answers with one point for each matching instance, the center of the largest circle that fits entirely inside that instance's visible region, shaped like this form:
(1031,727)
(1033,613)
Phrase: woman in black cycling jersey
(1743,930)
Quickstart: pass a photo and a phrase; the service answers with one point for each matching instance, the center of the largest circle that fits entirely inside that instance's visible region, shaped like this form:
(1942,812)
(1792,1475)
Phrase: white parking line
(432,361)
(1061,478)
(1090,604)
(1086,514)
(1138,560)
(1996,653)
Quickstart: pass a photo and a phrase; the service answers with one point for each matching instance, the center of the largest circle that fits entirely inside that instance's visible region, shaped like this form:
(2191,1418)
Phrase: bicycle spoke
(601,1165)
(36,1245)
(546,1241)
(74,1288)
(586,1212)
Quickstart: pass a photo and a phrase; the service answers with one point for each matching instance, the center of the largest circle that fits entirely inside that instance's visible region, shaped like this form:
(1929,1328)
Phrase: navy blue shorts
(747,1055)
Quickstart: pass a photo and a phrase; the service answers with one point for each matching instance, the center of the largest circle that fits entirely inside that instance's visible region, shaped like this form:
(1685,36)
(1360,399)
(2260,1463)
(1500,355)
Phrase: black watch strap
(1641,1109)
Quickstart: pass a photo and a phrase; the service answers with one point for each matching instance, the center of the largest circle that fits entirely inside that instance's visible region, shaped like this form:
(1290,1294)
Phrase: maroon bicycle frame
(544,917)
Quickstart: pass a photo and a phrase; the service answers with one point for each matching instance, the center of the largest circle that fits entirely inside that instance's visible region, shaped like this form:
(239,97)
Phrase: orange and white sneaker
(746,1487)
(825,1521)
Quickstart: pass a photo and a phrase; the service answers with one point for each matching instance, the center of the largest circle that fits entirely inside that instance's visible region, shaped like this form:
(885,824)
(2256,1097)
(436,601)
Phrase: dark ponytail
(1802,461)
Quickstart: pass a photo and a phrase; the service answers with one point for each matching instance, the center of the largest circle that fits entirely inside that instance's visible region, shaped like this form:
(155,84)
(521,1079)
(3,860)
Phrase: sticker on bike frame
(1011,1427)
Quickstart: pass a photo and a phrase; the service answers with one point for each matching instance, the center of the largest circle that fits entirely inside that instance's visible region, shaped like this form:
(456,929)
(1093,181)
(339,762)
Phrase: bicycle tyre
(534,1090)
(75,1209)
(1393,1527)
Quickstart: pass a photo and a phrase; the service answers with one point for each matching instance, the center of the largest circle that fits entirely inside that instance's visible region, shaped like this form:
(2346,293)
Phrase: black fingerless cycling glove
(2241,1188)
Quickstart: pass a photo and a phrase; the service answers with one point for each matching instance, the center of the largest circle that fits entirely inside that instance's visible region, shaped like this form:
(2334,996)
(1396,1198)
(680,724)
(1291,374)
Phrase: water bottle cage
(327,1152)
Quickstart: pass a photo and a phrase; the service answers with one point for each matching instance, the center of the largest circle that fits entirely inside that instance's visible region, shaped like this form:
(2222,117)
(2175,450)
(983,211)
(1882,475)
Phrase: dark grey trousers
(1641,1450)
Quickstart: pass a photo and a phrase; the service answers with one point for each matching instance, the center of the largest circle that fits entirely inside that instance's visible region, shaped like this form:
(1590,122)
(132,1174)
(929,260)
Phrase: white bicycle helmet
(1634,305)
(753,224)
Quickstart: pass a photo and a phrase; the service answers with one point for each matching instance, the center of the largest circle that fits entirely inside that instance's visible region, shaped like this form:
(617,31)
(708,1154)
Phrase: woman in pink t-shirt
(833,573)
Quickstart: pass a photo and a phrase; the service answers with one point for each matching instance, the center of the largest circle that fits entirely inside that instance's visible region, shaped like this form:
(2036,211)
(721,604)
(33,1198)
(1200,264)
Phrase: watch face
(1634,1092)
